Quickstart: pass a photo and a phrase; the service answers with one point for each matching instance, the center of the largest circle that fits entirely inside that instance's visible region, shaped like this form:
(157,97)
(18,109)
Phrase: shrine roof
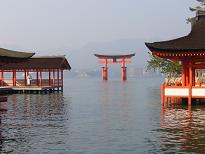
(48,62)
(5,53)
(193,42)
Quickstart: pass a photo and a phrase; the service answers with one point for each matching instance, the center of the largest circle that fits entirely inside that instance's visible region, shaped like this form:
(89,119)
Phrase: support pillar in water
(105,73)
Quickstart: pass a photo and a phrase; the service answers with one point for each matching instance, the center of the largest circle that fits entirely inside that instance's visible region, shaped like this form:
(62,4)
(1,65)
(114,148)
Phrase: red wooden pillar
(105,71)
(190,83)
(41,78)
(49,77)
(183,74)
(25,74)
(124,71)
(58,79)
(2,78)
(61,80)
(14,77)
(187,76)
(194,74)
(53,78)
(37,79)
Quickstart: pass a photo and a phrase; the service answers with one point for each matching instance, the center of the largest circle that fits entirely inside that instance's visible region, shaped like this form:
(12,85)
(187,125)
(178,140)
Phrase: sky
(80,28)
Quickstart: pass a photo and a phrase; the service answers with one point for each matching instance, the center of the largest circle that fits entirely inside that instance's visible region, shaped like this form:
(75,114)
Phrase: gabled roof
(49,62)
(5,53)
(114,56)
(193,42)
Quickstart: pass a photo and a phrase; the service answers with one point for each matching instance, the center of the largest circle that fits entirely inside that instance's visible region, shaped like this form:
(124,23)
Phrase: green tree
(170,69)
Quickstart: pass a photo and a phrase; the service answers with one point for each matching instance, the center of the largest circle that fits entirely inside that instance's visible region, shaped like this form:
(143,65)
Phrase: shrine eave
(155,47)
(5,53)
(49,62)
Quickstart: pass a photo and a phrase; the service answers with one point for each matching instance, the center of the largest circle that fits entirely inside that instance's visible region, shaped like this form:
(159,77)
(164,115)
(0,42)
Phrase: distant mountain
(112,73)
(84,57)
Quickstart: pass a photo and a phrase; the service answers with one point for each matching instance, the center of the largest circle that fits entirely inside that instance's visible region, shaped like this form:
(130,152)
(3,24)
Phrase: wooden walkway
(28,89)
(20,87)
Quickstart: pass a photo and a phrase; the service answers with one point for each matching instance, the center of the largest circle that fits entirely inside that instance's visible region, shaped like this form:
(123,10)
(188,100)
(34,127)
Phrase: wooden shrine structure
(114,59)
(190,51)
(45,73)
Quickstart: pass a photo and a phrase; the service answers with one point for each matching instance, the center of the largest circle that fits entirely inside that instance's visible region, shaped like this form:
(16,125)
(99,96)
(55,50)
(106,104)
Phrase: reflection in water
(182,129)
(114,100)
(32,121)
(2,111)
(1,138)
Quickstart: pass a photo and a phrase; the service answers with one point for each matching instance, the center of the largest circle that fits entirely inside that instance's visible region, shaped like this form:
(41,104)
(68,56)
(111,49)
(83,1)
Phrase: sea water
(93,116)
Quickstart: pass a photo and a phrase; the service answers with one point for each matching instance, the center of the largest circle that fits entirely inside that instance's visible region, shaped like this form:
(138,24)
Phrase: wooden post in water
(124,70)
(104,73)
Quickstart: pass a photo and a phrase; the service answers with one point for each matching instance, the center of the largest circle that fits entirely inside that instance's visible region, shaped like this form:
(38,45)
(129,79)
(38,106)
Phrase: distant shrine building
(20,71)
(190,51)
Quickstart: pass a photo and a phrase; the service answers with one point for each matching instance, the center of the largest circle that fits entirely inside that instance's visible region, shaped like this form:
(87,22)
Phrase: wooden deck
(32,88)
(44,86)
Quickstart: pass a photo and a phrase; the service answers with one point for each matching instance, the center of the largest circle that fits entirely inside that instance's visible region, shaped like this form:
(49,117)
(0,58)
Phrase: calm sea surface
(97,117)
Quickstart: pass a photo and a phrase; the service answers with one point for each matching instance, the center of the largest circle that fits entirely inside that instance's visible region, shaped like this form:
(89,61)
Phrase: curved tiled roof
(49,62)
(5,53)
(193,42)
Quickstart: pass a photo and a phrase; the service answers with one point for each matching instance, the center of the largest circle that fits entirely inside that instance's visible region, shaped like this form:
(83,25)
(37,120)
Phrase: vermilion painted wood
(114,59)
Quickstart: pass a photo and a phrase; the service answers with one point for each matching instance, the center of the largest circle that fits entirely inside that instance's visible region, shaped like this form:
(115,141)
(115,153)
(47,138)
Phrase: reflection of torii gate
(113,59)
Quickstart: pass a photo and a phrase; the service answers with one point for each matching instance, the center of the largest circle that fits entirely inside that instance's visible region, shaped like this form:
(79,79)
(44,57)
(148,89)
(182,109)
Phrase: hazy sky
(79,28)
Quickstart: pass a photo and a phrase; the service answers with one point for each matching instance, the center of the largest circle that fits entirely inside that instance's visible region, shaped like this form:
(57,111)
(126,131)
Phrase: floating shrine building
(190,51)
(45,73)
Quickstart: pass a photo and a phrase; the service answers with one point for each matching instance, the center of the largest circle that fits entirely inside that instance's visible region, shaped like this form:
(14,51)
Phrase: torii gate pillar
(104,73)
(114,59)
(124,73)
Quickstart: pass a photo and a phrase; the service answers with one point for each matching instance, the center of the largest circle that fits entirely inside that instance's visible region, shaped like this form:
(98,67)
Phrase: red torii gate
(114,59)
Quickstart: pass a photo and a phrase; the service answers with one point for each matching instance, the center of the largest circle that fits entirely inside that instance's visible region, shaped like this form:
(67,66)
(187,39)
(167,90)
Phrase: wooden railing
(182,92)
(44,82)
